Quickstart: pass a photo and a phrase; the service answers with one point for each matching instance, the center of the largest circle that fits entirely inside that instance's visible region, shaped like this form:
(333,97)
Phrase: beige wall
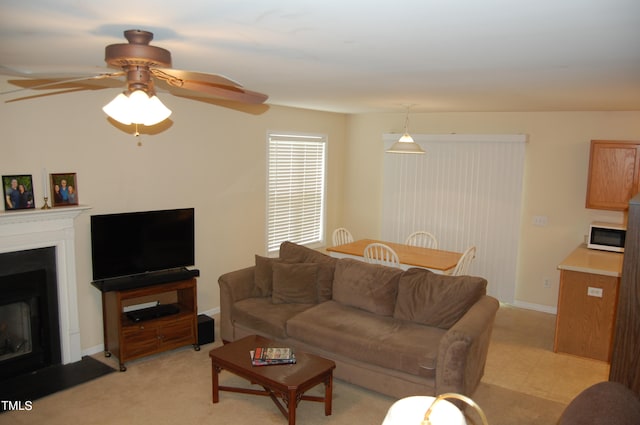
(211,158)
(556,163)
(214,158)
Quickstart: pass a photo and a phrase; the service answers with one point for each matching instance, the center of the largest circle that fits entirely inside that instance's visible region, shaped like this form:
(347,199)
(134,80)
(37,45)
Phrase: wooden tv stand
(128,339)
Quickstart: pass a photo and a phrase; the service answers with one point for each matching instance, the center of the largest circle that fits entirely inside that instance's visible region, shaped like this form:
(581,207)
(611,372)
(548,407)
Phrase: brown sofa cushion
(264,318)
(324,281)
(263,275)
(434,299)
(377,340)
(294,253)
(370,287)
(294,283)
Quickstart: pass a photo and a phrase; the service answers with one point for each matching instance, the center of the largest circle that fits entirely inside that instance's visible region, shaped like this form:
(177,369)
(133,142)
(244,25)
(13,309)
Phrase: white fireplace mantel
(31,229)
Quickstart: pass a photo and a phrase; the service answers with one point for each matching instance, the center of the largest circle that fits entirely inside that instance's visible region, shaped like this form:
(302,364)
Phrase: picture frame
(18,192)
(64,189)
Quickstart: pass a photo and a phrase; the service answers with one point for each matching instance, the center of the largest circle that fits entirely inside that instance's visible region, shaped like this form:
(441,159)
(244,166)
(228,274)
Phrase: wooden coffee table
(280,382)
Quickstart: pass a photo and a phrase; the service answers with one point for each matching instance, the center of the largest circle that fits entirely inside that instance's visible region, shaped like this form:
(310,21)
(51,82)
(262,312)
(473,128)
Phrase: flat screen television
(135,243)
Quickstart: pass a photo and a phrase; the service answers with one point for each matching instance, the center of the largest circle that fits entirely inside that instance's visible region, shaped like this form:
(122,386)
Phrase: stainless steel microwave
(607,236)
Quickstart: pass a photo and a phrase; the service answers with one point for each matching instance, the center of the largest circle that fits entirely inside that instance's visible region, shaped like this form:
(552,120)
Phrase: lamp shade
(411,411)
(118,109)
(156,111)
(137,108)
(405,145)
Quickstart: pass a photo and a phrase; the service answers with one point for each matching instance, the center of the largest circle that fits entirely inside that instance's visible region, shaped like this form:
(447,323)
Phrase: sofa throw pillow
(324,281)
(370,287)
(263,275)
(294,283)
(294,253)
(434,299)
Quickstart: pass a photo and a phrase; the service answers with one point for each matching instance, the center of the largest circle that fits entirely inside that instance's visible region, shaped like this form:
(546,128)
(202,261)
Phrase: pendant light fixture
(405,144)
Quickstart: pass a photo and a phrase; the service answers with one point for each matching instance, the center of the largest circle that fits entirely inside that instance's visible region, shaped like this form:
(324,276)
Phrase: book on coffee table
(264,356)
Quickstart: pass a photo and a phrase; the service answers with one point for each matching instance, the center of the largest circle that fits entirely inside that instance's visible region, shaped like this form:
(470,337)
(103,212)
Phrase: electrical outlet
(594,292)
(547,282)
(540,220)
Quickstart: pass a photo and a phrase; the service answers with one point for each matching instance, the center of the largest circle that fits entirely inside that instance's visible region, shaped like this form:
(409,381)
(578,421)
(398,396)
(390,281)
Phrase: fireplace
(29,324)
(38,293)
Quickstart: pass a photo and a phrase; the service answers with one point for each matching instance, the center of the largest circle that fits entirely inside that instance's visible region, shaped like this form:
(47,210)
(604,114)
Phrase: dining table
(436,260)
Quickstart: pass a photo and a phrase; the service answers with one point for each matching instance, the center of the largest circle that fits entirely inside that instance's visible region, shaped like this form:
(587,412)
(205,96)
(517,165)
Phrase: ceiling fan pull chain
(137,135)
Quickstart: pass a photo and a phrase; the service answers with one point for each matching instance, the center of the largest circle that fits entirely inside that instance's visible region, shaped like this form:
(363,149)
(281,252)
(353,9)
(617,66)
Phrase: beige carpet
(175,388)
(525,383)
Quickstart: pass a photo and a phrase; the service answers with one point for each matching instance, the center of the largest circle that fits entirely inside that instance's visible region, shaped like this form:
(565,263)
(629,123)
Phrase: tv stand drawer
(139,342)
(178,333)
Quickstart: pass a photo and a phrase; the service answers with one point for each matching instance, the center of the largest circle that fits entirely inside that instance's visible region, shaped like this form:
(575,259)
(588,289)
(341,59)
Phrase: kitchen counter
(586,260)
(587,300)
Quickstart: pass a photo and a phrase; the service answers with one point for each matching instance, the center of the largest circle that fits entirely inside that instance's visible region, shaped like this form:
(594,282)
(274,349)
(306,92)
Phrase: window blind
(466,190)
(296,189)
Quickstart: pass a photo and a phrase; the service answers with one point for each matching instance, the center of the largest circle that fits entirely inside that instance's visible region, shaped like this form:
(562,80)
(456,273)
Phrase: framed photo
(18,192)
(64,189)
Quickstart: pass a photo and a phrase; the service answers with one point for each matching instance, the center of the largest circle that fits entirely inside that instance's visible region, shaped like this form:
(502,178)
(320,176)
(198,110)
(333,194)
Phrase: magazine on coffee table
(265,356)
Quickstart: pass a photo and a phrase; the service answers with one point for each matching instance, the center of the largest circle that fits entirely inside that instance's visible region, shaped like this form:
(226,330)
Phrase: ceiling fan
(144,66)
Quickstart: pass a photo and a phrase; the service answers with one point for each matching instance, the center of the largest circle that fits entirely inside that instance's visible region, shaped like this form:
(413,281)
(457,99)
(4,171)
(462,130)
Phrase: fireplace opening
(29,324)
(15,330)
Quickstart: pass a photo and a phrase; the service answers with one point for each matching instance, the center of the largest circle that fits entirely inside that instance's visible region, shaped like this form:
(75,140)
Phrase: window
(467,190)
(296,189)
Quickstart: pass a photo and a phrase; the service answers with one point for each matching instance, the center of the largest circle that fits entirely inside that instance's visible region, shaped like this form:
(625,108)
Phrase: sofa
(396,332)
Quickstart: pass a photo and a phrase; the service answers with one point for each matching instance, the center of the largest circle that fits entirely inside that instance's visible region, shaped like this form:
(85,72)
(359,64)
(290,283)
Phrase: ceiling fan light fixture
(137,108)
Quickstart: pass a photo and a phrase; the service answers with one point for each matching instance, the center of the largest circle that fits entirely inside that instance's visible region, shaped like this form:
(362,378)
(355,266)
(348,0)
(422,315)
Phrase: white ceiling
(356,56)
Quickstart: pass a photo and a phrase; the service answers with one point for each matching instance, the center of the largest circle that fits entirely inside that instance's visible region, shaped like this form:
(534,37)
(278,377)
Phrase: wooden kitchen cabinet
(128,339)
(614,174)
(585,319)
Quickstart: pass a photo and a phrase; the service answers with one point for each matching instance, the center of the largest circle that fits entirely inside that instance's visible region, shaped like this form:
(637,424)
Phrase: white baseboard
(93,350)
(211,312)
(536,307)
(100,348)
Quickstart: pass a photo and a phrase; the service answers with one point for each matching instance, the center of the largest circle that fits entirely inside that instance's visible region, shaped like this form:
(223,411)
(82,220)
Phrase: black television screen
(140,242)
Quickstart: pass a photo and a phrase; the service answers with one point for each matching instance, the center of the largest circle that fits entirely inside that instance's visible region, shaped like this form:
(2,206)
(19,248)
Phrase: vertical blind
(466,190)
(296,189)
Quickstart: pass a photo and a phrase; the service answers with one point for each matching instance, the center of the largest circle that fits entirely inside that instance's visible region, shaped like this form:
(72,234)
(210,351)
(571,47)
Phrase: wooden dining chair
(462,268)
(341,236)
(379,253)
(422,239)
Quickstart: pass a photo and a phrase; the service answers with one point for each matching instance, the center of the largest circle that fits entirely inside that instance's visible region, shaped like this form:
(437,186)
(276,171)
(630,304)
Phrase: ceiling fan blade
(43,95)
(170,73)
(49,72)
(249,108)
(225,92)
(210,84)
(51,82)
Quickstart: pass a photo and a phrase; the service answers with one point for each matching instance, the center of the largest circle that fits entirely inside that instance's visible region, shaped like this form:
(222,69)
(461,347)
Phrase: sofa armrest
(234,286)
(462,353)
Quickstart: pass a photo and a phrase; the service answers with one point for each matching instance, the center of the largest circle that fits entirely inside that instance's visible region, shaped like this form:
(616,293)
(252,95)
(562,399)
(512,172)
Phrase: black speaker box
(205,329)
